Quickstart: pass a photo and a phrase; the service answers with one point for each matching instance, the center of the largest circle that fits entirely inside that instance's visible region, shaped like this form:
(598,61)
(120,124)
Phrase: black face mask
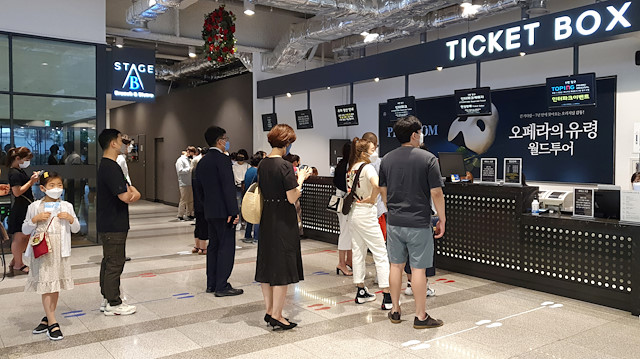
(190,157)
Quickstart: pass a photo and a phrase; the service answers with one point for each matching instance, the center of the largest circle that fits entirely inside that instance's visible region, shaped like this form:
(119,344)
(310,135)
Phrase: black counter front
(491,234)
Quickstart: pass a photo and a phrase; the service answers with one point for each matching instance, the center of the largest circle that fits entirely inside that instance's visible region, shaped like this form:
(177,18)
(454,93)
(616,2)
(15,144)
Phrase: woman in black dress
(279,260)
(17,160)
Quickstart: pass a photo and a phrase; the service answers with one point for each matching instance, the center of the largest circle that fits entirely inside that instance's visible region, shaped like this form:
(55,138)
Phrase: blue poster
(556,145)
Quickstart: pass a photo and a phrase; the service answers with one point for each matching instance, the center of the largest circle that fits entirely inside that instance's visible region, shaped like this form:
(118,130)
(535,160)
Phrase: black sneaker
(42,327)
(54,332)
(394,317)
(386,302)
(428,322)
(363,296)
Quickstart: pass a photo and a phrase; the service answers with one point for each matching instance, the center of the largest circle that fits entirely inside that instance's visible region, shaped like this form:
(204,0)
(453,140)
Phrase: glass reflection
(4,63)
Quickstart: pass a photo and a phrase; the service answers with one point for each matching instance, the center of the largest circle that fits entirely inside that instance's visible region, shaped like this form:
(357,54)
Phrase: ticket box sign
(571,91)
(268,121)
(473,102)
(347,115)
(133,76)
(401,107)
(304,120)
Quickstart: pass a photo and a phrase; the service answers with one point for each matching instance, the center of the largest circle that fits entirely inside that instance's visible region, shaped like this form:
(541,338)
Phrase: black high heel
(277,325)
(267,319)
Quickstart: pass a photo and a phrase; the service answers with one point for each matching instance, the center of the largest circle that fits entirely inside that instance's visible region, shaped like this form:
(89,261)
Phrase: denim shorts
(416,243)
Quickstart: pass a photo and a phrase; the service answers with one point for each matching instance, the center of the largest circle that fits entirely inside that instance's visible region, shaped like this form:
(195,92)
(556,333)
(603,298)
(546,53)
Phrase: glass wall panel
(4,63)
(5,124)
(53,68)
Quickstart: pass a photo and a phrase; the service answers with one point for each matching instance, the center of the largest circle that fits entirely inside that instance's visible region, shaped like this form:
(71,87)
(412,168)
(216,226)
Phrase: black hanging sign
(473,102)
(304,120)
(571,91)
(269,120)
(347,115)
(401,107)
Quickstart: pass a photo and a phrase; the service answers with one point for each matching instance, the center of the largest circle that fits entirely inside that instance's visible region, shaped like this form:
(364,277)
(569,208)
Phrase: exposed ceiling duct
(346,20)
(202,68)
(143,11)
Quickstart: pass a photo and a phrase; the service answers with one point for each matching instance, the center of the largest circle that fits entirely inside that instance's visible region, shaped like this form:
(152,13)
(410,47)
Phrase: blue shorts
(416,243)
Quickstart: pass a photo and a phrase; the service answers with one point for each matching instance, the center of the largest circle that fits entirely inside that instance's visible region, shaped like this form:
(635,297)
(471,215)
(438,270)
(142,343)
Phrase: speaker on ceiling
(637,58)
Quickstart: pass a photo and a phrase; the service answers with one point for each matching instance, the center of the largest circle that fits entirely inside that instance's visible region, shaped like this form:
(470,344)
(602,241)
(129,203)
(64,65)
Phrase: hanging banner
(133,76)
(571,91)
(268,121)
(473,102)
(304,120)
(347,115)
(556,145)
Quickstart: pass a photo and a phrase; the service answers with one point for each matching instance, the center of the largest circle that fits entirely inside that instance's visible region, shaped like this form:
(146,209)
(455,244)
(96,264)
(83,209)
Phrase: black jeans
(113,258)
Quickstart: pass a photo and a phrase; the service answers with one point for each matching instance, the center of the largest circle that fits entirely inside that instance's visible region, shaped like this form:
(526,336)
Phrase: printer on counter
(559,201)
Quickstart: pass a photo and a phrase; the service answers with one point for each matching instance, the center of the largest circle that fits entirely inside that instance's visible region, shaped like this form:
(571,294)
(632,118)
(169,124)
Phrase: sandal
(203,251)
(195,250)
(21,270)
(54,334)
(42,327)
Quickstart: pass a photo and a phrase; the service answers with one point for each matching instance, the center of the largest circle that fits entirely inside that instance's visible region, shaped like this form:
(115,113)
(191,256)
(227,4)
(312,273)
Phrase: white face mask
(421,138)
(636,186)
(130,148)
(25,164)
(54,193)
(374,156)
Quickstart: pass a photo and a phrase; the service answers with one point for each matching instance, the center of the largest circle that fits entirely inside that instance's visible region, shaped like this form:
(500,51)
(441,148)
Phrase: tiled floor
(175,318)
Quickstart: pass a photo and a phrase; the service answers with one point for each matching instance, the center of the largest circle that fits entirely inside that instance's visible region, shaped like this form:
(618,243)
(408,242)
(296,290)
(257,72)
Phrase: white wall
(81,20)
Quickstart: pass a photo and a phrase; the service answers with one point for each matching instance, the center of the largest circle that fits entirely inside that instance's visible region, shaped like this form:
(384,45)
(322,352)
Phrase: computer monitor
(451,163)
(607,204)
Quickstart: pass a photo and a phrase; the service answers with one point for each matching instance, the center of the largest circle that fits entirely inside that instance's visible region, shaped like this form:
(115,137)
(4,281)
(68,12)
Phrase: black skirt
(16,218)
(279,258)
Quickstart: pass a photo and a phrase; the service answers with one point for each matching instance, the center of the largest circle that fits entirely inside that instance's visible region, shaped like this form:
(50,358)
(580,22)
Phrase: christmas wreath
(217,32)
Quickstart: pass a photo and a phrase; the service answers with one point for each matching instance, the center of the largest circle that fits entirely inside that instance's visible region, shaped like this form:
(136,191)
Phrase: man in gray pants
(409,179)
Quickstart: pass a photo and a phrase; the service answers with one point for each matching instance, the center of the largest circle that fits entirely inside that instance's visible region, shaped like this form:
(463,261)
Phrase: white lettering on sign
(144,68)
(587,23)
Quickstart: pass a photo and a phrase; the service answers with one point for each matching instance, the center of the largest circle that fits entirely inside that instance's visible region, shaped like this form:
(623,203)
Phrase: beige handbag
(252,204)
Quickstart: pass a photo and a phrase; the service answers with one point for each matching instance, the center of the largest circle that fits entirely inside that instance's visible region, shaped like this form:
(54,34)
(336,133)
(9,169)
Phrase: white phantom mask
(478,132)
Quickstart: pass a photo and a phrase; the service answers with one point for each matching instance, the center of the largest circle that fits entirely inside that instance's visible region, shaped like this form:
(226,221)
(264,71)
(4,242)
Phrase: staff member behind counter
(635,181)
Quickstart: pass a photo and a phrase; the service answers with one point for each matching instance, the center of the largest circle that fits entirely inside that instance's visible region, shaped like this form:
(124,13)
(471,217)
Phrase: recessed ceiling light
(45,64)
(377,79)
(523,53)
(288,94)
(119,42)
(249,8)
(328,87)
(192,51)
(439,68)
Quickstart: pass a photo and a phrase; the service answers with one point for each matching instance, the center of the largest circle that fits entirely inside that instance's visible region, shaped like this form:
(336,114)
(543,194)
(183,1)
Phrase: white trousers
(366,233)
(344,240)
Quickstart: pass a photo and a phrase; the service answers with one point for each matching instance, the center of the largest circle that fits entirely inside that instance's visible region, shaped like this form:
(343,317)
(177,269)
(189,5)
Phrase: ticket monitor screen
(451,163)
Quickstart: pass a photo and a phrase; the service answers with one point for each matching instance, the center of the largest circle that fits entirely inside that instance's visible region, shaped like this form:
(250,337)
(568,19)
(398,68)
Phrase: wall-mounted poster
(347,115)
(583,202)
(304,120)
(473,102)
(557,145)
(488,167)
(268,121)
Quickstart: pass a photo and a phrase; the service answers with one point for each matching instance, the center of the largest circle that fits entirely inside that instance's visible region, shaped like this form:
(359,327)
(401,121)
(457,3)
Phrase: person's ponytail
(353,155)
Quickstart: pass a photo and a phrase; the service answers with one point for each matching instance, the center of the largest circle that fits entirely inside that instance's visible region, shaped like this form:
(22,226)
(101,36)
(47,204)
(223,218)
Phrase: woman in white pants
(344,240)
(363,223)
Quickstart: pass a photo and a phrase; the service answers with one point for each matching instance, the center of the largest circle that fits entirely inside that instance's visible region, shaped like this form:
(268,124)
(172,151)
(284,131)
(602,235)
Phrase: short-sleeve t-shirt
(18,177)
(409,174)
(364,187)
(112,213)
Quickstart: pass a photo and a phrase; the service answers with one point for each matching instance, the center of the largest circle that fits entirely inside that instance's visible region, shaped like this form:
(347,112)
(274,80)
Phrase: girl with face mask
(18,159)
(51,272)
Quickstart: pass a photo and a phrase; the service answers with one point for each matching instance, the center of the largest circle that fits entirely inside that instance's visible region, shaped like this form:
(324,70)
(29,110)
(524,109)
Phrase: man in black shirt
(114,196)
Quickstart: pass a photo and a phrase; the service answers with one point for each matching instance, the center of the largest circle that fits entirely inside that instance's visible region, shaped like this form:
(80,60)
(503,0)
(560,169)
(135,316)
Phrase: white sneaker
(431,292)
(408,291)
(122,309)
(103,304)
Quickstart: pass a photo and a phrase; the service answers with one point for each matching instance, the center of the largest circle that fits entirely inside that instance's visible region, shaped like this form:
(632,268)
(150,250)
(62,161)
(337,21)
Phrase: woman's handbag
(335,204)
(39,242)
(252,204)
(347,202)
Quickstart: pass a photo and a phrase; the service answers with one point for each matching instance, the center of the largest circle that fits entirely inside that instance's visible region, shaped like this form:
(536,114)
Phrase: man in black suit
(217,191)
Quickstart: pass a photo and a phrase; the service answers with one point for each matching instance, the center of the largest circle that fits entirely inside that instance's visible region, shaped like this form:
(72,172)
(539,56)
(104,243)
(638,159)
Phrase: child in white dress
(50,272)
